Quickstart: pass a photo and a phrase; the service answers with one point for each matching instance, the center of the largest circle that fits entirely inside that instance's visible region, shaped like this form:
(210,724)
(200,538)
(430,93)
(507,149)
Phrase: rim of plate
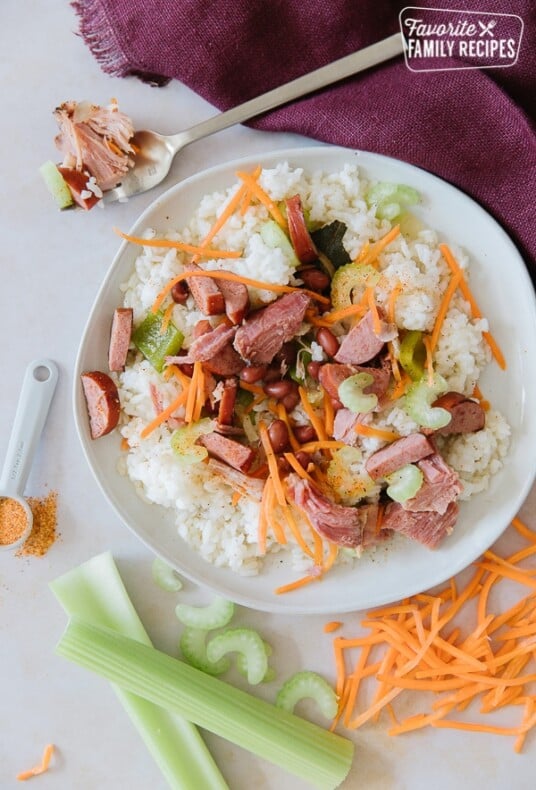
(286,605)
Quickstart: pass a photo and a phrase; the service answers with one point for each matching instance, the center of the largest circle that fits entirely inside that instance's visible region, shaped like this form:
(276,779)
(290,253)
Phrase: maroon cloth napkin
(471,127)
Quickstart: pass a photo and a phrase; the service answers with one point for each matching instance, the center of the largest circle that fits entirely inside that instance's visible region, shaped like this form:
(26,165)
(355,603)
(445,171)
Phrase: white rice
(223,533)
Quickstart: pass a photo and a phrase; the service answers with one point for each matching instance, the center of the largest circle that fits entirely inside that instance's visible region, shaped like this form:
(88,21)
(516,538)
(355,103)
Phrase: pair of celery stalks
(165,697)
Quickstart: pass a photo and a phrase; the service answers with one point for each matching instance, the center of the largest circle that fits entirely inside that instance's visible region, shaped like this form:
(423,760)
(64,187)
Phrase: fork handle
(326,75)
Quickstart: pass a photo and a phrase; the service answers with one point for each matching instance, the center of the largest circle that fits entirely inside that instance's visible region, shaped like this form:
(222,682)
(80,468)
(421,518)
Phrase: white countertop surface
(51,267)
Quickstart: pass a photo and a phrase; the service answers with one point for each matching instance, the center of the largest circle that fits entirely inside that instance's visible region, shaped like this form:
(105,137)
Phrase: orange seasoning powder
(13,520)
(43,532)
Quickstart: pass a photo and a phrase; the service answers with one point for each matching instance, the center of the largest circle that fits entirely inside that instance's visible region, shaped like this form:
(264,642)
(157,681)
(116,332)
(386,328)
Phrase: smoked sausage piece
(102,400)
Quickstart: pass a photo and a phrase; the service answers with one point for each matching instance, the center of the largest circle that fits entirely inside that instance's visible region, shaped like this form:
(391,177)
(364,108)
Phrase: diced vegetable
(276,238)
(194,649)
(349,278)
(216,615)
(419,399)
(183,441)
(244,641)
(328,240)
(56,185)
(308,684)
(352,396)
(412,355)
(298,372)
(154,344)
(242,664)
(391,199)
(296,745)
(95,591)
(404,483)
(165,576)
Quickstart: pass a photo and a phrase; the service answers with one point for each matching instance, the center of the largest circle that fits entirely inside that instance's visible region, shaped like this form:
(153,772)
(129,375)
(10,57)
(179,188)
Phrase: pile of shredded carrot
(417,645)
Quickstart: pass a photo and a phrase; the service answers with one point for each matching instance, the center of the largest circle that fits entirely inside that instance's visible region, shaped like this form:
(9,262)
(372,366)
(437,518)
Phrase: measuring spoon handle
(35,398)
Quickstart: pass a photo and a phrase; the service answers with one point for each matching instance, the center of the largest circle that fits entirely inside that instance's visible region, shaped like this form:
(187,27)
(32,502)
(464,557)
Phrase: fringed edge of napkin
(99,35)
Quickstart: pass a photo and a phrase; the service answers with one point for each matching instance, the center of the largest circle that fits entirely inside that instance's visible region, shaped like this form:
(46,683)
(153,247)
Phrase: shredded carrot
(254,388)
(246,200)
(227,212)
(263,198)
(329,414)
(165,414)
(295,585)
(283,415)
(429,364)
(400,387)
(224,275)
(39,769)
(375,249)
(124,444)
(272,464)
(345,312)
(376,320)
(166,318)
(444,306)
(235,499)
(200,396)
(333,625)
(492,662)
(475,310)
(315,420)
(478,395)
(523,530)
(192,394)
(375,433)
(179,245)
(331,444)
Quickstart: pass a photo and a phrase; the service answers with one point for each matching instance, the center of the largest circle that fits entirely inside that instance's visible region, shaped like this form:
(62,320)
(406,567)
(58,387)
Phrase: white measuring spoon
(35,398)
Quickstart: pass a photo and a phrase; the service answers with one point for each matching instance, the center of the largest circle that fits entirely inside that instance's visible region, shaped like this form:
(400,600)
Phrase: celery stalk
(306,750)
(95,591)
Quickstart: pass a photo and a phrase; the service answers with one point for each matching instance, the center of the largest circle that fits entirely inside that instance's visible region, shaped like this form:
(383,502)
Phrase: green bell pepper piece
(154,344)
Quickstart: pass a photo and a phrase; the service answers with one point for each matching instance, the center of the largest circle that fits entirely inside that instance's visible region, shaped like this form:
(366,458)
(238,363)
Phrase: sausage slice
(467,416)
(102,400)
(233,453)
(120,338)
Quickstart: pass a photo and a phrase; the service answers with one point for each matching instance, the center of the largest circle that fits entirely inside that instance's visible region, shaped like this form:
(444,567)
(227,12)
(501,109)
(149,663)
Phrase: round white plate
(503,289)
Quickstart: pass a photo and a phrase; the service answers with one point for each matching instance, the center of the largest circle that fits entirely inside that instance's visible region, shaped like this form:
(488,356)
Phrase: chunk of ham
(426,527)
(95,139)
(227,402)
(207,295)
(361,343)
(263,334)
(248,486)
(205,346)
(403,451)
(236,297)
(233,453)
(226,363)
(339,524)
(441,486)
(344,424)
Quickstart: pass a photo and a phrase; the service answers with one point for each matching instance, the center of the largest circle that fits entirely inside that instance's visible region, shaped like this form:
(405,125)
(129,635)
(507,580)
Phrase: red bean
(187,369)
(313,369)
(314,279)
(179,292)
(291,400)
(283,465)
(305,433)
(287,353)
(303,458)
(328,341)
(253,373)
(278,433)
(278,389)
(273,373)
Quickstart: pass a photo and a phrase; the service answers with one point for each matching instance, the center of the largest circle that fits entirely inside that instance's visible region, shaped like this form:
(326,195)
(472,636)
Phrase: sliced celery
(276,238)
(352,393)
(95,591)
(164,576)
(308,684)
(217,614)
(306,750)
(242,665)
(194,649)
(247,643)
(404,483)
